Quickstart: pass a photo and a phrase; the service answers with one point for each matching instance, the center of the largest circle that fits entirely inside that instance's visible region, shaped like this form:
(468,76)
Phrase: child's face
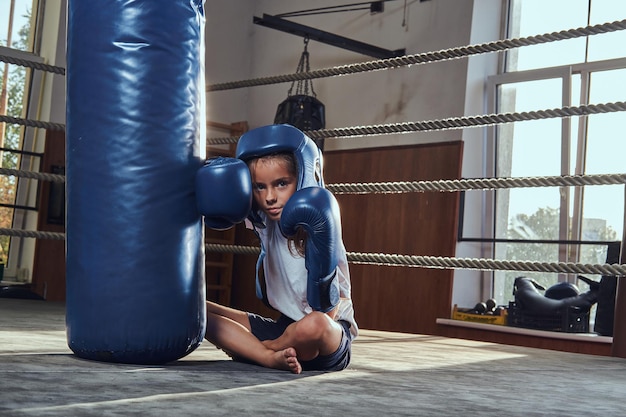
(273,185)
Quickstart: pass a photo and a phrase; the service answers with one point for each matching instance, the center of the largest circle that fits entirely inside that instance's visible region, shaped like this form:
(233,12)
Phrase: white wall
(472,286)
(389,96)
(228,57)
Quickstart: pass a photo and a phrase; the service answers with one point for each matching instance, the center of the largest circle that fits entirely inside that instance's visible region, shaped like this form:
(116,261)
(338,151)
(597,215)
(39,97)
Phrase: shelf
(586,337)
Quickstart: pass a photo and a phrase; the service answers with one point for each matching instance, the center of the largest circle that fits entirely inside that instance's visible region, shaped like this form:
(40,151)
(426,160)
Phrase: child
(301,338)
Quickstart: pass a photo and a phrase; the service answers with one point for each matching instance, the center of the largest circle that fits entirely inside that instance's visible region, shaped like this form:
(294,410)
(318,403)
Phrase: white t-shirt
(286,278)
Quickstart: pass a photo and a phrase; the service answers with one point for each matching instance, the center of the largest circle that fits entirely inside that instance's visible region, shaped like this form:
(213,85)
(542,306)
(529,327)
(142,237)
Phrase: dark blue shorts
(267,329)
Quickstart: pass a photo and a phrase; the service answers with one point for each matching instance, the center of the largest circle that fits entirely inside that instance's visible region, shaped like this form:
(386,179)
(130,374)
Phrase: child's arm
(315,210)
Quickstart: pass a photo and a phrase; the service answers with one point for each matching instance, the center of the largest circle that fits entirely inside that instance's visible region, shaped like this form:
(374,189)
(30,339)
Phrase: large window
(16,41)
(572,224)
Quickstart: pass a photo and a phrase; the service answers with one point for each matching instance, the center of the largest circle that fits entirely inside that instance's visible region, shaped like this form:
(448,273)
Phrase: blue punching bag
(135,139)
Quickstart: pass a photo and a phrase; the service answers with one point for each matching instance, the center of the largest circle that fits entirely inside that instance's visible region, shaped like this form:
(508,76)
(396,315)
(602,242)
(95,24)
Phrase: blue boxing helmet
(273,139)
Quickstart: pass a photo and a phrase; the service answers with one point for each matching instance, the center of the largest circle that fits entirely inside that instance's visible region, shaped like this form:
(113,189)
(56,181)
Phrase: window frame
(569,240)
(26,193)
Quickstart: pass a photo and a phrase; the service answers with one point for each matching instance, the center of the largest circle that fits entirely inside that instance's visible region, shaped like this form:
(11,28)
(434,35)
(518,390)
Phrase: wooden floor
(391,374)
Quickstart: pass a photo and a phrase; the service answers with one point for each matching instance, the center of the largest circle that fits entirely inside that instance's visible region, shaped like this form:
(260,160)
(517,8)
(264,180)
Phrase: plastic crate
(465,315)
(571,320)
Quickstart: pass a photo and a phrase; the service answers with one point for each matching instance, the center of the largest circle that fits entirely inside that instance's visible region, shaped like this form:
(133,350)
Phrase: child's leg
(239,316)
(315,334)
(227,330)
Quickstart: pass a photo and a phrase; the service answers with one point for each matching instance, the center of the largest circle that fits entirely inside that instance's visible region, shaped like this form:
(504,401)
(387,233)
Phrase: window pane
(608,45)
(15,33)
(13,82)
(20,22)
(606,148)
(534,17)
(530,148)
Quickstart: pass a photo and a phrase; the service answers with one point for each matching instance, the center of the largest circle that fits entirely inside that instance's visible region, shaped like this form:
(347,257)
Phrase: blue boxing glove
(224,192)
(317,212)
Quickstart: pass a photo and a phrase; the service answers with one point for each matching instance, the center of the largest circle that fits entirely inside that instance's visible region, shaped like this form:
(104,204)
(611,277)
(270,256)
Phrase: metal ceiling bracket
(328,38)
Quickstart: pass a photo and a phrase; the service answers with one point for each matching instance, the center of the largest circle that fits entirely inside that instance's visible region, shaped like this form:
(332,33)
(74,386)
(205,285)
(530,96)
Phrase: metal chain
(302,87)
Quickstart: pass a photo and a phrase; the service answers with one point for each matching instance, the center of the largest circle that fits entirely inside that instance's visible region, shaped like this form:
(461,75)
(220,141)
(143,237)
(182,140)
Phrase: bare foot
(287,360)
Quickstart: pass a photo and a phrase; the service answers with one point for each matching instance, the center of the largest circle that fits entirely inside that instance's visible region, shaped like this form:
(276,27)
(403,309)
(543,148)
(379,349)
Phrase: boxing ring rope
(397,187)
(404,127)
(451,263)
(33,65)
(406,60)
(427,57)
(451,123)
(32,175)
(32,123)
(32,233)
(476,184)
(382,259)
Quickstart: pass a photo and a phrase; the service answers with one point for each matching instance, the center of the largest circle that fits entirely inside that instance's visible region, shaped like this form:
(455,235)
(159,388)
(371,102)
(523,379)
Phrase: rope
(402,260)
(485,264)
(426,57)
(32,123)
(421,186)
(451,123)
(476,184)
(236,249)
(468,121)
(32,233)
(406,60)
(451,263)
(34,175)
(31,64)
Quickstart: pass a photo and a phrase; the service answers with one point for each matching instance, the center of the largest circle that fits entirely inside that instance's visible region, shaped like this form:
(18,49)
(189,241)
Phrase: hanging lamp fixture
(302,109)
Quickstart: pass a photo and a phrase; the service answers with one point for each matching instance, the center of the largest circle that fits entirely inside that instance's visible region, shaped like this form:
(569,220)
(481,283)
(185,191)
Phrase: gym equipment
(271,139)
(224,192)
(528,297)
(316,211)
(303,110)
(135,140)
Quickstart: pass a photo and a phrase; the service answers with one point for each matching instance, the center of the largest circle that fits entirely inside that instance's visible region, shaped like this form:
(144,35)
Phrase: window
(572,224)
(16,40)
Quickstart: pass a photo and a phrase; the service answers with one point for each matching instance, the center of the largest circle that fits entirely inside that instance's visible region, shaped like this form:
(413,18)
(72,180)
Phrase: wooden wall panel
(399,298)
(49,262)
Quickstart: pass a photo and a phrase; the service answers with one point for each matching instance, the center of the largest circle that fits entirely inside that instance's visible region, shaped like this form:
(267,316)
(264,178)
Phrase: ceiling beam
(328,38)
